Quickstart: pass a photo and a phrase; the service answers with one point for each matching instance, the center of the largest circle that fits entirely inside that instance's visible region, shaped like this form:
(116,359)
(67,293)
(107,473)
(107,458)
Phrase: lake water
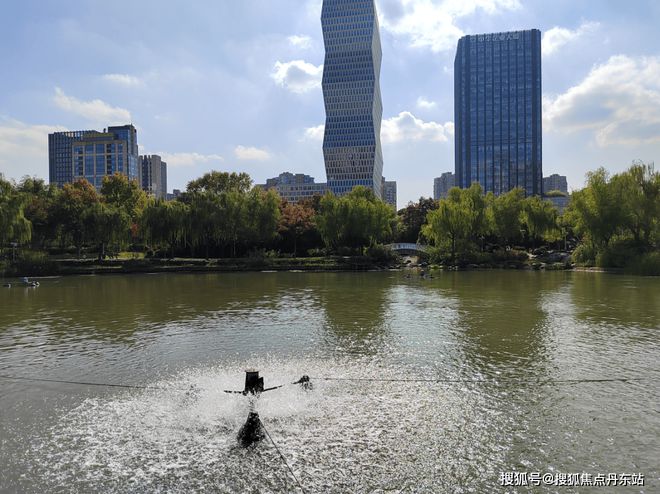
(511,350)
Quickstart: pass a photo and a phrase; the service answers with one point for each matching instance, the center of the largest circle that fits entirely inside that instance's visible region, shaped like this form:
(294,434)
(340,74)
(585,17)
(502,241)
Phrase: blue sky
(235,85)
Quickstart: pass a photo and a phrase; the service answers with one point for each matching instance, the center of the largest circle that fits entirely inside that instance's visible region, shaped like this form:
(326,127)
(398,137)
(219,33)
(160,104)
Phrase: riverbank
(64,267)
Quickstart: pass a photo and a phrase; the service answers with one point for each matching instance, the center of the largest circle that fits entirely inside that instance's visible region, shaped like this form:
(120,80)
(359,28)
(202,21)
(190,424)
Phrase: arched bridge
(409,248)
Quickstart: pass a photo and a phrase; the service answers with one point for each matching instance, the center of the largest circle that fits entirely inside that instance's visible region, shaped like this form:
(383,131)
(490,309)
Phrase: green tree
(329,221)
(263,215)
(639,190)
(355,220)
(14,226)
(595,211)
(165,222)
(540,219)
(39,209)
(459,222)
(232,219)
(413,216)
(506,212)
(218,182)
(72,209)
(205,214)
(120,192)
(107,224)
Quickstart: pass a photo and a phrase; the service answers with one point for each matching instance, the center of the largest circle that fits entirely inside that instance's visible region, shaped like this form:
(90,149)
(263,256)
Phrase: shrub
(438,255)
(381,254)
(617,254)
(32,263)
(318,252)
(646,265)
(585,254)
(263,254)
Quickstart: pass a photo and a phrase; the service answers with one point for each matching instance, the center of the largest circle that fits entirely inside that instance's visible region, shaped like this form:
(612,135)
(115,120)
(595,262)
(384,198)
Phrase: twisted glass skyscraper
(351,92)
(497,98)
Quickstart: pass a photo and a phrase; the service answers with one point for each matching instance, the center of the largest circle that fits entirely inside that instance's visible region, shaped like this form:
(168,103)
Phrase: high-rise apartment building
(497,111)
(389,192)
(555,182)
(351,92)
(92,155)
(154,175)
(442,184)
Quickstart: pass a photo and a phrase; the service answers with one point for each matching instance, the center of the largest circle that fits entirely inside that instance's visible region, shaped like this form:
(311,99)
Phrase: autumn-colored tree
(295,221)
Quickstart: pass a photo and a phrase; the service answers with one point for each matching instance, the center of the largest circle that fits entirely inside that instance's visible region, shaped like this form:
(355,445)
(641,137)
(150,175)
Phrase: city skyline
(242,92)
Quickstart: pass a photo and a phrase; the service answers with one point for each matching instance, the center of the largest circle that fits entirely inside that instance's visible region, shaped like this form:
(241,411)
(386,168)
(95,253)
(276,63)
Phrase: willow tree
(355,220)
(506,210)
(459,222)
(165,223)
(107,225)
(14,226)
(540,219)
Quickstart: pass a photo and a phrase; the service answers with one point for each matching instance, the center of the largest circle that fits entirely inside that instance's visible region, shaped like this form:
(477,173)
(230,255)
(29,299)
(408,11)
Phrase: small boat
(7,285)
(27,282)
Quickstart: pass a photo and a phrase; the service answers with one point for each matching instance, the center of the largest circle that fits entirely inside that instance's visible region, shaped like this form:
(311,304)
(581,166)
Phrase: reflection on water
(521,332)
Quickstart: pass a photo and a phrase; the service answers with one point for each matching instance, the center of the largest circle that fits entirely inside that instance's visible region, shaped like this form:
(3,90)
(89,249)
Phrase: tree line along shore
(222,223)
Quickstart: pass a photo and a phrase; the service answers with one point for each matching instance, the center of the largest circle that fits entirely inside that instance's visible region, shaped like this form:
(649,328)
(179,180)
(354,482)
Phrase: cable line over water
(356,379)
(82,383)
(283,458)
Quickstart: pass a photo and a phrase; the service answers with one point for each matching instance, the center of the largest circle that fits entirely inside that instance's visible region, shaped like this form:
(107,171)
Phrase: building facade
(555,182)
(442,184)
(154,175)
(497,111)
(351,92)
(295,187)
(60,155)
(93,155)
(560,202)
(389,192)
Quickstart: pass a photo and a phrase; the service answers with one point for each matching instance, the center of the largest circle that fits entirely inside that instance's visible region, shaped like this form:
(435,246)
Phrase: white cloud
(557,37)
(251,153)
(298,41)
(96,111)
(425,104)
(123,80)
(431,24)
(24,148)
(406,127)
(179,160)
(297,76)
(619,101)
(315,133)
(403,127)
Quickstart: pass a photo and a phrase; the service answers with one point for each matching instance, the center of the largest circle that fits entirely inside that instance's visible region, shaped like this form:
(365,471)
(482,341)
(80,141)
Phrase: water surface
(508,346)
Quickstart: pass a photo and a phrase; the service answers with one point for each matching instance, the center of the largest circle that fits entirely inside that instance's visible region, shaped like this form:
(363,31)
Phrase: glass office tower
(351,92)
(93,155)
(497,111)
